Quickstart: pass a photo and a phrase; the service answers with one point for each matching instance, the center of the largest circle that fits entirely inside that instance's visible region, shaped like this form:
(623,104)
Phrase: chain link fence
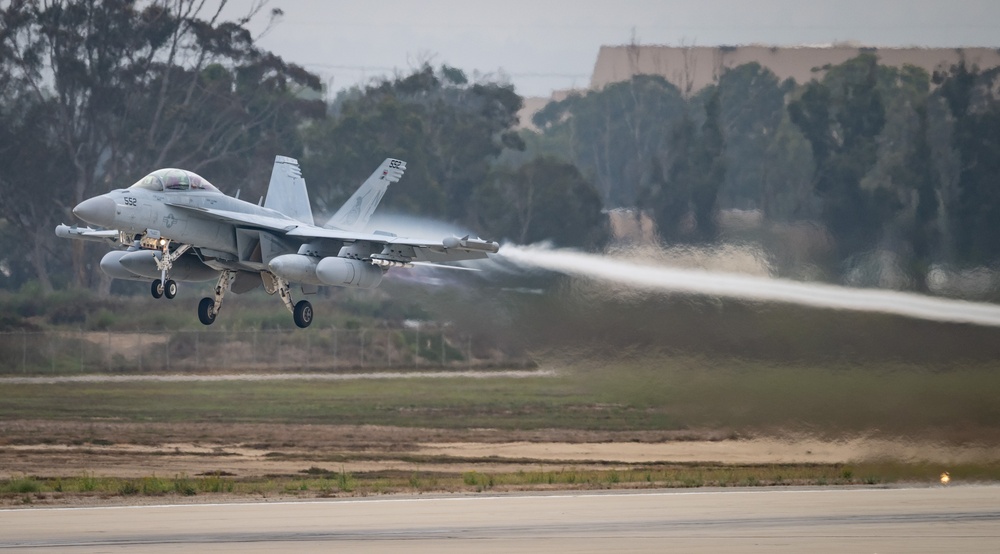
(69,352)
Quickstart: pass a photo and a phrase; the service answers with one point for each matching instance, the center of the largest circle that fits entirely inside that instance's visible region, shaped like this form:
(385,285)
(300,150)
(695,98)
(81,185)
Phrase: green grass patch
(382,482)
(656,393)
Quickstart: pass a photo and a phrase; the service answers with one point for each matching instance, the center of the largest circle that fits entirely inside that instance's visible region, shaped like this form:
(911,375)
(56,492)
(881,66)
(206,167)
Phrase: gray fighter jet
(173,225)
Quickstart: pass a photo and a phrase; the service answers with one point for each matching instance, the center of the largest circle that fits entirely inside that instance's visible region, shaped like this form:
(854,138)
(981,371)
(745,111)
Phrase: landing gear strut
(163,286)
(208,308)
(302,312)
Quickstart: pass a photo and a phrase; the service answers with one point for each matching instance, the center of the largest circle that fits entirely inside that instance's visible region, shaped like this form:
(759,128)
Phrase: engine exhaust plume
(745,287)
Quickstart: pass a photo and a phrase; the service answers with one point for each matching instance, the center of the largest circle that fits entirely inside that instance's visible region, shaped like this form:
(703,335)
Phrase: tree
(684,201)
(842,117)
(32,168)
(447,129)
(133,87)
(752,104)
(614,133)
(710,170)
(974,106)
(917,173)
(543,200)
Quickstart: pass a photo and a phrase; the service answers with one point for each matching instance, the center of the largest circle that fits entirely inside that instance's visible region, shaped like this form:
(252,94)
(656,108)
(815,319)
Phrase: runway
(935,519)
(257,377)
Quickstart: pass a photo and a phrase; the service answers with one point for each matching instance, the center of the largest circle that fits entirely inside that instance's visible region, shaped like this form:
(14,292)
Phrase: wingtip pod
(467,243)
(86,233)
(64,231)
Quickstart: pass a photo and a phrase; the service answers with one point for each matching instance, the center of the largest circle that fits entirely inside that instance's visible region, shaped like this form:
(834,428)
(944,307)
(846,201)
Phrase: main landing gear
(302,312)
(208,308)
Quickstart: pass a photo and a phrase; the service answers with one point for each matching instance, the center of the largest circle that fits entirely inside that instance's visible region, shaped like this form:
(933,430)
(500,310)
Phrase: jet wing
(449,249)
(282,224)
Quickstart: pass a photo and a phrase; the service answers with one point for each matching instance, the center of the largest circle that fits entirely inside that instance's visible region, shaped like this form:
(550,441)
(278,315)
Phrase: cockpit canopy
(171,180)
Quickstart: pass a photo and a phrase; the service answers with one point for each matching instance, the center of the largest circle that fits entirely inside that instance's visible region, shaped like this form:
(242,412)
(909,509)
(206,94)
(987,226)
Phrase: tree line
(883,160)
(95,94)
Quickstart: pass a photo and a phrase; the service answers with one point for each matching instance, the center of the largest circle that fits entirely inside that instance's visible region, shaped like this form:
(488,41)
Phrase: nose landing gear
(163,286)
(166,288)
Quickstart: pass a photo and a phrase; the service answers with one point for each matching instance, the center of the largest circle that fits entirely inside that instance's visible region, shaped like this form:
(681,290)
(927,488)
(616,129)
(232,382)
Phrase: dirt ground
(119,449)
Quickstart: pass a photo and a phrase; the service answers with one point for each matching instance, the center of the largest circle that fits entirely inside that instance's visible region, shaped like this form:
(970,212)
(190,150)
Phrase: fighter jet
(173,225)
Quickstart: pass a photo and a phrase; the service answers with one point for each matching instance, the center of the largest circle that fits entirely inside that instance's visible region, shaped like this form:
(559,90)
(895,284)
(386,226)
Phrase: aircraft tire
(303,314)
(170,289)
(156,288)
(206,313)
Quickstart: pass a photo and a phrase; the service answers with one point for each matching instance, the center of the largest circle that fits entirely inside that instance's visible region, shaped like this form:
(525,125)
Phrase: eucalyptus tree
(973,104)
(448,129)
(842,117)
(128,86)
(615,134)
(544,199)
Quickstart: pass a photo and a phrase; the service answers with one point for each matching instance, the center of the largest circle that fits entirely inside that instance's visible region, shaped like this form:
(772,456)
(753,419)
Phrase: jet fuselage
(136,211)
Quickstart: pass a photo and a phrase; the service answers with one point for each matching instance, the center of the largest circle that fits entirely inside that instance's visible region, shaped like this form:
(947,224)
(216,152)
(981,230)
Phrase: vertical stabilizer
(287,191)
(355,213)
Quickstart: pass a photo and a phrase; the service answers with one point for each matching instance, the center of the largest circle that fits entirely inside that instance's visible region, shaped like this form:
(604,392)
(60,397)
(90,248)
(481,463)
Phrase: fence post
(109,351)
(335,362)
(24,351)
(442,347)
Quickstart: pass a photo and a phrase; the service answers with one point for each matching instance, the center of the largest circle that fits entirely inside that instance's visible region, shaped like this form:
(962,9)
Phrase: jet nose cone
(99,210)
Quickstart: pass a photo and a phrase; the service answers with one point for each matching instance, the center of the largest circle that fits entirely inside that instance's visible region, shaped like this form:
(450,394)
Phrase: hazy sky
(544,45)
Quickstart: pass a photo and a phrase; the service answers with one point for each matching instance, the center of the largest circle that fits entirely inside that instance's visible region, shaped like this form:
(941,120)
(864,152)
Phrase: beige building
(691,68)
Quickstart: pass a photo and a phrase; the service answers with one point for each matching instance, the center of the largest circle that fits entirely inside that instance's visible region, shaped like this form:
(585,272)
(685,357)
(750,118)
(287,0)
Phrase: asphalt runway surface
(933,519)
